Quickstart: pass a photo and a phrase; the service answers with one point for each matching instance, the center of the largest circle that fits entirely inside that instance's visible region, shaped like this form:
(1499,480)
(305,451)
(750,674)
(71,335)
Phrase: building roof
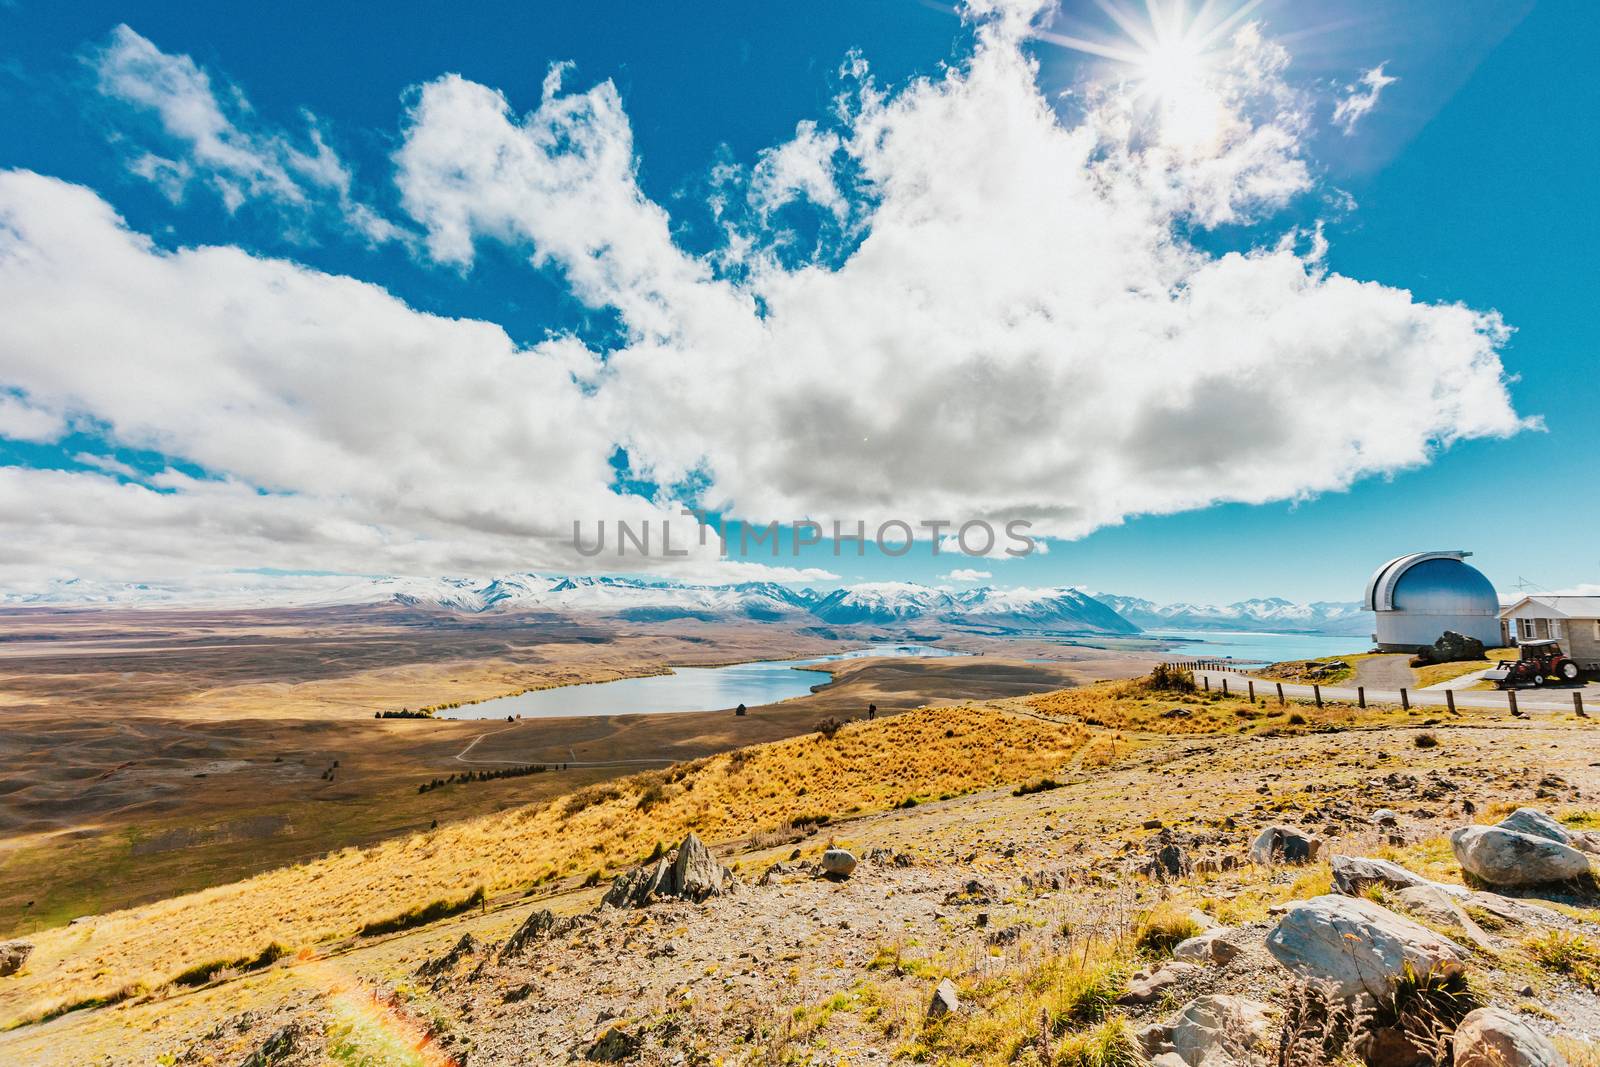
(1554,606)
(1431,583)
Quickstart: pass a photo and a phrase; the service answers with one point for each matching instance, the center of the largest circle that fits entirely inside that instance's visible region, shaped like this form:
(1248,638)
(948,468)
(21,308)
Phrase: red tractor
(1537,661)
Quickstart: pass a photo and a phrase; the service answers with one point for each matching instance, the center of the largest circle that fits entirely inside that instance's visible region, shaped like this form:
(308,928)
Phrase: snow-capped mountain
(874,603)
(882,602)
(1042,609)
(1271,614)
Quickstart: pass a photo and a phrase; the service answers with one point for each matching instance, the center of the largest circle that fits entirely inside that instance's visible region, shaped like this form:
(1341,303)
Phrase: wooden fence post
(1224,685)
(1252,687)
(1577,705)
(1280,694)
(1450,700)
(1316,691)
(1405,699)
(1361,696)
(1205,680)
(1511,698)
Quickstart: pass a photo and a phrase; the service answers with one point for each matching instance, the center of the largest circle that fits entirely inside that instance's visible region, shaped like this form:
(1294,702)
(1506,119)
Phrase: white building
(1572,620)
(1419,596)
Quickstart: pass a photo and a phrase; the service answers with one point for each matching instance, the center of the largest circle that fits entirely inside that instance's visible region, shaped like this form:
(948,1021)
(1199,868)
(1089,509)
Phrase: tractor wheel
(1537,679)
(1568,671)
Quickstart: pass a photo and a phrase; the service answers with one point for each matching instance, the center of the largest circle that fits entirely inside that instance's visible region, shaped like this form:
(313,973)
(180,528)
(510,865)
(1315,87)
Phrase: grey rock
(1358,946)
(13,954)
(1491,1037)
(467,946)
(1213,946)
(277,1048)
(1352,874)
(1430,902)
(538,926)
(1148,985)
(688,872)
(1506,857)
(1535,823)
(1385,817)
(838,862)
(1213,1031)
(946,1000)
(614,1046)
(1514,912)
(1284,844)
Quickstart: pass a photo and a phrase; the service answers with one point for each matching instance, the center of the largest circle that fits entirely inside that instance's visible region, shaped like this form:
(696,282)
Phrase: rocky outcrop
(1358,946)
(447,963)
(1491,1037)
(688,872)
(1213,946)
(542,924)
(1352,874)
(1505,857)
(13,954)
(1214,1031)
(1284,844)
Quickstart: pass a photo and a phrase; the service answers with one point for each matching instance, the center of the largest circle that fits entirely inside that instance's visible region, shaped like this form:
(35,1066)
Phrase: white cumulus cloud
(966,574)
(1019,329)
(222,143)
(1360,98)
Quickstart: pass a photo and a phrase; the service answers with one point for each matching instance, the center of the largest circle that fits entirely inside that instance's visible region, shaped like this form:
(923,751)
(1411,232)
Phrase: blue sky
(1468,182)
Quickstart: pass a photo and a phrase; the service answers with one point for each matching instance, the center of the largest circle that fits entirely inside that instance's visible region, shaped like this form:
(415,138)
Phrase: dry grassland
(865,766)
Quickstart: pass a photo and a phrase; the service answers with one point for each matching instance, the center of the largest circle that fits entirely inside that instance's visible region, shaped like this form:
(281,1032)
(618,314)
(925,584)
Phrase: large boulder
(13,954)
(1284,844)
(1535,823)
(1491,1037)
(1214,1031)
(1510,858)
(1358,946)
(688,872)
(1352,874)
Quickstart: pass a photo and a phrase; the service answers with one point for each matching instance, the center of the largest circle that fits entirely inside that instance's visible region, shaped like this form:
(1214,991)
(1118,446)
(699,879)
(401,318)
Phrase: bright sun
(1167,49)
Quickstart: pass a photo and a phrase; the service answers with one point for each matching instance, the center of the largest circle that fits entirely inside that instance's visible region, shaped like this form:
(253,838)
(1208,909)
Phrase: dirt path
(1390,673)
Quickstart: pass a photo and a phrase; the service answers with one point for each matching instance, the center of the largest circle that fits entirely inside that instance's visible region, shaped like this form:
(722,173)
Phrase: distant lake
(1259,647)
(685,689)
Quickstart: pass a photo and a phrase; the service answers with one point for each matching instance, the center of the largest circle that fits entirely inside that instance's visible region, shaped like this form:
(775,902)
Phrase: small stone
(1149,985)
(1283,844)
(1213,946)
(838,863)
(946,1000)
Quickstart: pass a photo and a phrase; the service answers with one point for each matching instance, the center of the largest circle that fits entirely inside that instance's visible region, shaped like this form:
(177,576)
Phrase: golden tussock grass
(866,766)
(1135,706)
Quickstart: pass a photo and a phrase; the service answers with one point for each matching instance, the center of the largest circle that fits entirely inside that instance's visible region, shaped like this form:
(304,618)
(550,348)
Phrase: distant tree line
(403,713)
(482,776)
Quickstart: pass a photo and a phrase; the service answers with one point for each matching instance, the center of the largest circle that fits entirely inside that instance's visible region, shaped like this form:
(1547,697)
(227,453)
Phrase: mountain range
(873,603)
(1270,614)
